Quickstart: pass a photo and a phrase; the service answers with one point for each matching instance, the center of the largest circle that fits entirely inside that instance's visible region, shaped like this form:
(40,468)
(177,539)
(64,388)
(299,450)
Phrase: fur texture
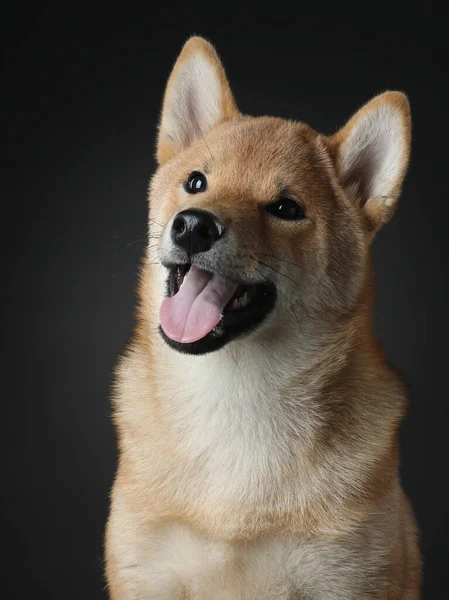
(267,469)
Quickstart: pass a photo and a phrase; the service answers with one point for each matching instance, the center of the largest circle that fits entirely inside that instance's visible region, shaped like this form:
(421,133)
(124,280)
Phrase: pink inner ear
(193,100)
(361,175)
(373,155)
(197,98)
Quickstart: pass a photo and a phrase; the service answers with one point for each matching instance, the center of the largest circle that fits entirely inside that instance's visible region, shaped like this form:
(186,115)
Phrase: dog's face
(259,222)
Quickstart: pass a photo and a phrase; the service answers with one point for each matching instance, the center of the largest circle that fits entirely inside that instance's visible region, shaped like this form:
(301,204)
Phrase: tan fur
(267,469)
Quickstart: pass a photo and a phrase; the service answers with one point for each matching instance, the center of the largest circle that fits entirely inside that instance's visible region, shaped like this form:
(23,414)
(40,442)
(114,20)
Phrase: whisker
(260,272)
(208,149)
(256,252)
(277,257)
(277,271)
(154,221)
(240,344)
(143,239)
(294,313)
(228,351)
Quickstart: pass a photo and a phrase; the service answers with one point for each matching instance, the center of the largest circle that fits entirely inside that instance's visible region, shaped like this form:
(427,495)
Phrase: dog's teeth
(239,302)
(235,304)
(244,300)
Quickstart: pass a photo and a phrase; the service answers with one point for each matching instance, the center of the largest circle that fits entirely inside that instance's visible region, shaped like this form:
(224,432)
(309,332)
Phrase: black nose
(196,230)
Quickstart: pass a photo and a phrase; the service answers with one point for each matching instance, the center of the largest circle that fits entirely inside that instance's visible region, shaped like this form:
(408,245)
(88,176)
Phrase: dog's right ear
(197,98)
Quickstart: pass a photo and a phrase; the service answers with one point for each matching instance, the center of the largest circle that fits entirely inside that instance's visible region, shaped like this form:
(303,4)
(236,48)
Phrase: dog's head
(260,221)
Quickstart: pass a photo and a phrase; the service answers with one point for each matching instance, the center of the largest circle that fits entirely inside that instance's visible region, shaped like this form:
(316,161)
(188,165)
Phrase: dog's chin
(244,313)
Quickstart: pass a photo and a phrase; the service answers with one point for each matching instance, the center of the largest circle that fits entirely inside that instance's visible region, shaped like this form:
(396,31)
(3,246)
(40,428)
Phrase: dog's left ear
(371,153)
(197,98)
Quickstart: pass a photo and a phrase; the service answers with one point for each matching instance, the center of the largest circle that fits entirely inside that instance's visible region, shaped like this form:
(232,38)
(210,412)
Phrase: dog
(257,417)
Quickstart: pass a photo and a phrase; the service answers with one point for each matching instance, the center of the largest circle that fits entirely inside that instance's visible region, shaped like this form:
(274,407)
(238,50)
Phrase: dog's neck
(256,409)
(268,364)
(285,371)
(244,417)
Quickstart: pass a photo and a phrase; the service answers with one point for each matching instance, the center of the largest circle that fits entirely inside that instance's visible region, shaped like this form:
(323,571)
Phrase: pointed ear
(371,153)
(197,98)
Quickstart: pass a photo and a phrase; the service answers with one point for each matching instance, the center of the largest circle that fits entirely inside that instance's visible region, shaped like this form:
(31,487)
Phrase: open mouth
(203,311)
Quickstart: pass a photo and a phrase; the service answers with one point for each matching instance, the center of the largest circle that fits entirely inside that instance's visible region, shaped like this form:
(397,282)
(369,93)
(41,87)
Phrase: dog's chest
(239,428)
(275,567)
(241,439)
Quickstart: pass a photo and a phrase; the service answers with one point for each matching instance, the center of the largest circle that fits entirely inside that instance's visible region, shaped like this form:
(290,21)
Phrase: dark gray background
(82,93)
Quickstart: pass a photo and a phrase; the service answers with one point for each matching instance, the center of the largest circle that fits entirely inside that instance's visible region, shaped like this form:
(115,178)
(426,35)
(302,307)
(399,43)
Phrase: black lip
(233,324)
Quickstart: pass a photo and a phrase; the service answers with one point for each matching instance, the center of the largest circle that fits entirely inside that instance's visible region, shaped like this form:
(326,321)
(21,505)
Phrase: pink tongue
(196,309)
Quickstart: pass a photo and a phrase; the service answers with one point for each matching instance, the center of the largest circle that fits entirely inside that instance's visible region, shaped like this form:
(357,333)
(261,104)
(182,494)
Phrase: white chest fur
(234,415)
(178,565)
(246,439)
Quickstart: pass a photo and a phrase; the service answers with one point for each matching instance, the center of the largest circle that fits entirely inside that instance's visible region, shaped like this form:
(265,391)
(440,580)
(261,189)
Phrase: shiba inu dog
(257,417)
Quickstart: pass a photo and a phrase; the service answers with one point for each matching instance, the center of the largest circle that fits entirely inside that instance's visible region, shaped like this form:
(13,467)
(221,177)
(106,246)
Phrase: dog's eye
(286,208)
(196,183)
